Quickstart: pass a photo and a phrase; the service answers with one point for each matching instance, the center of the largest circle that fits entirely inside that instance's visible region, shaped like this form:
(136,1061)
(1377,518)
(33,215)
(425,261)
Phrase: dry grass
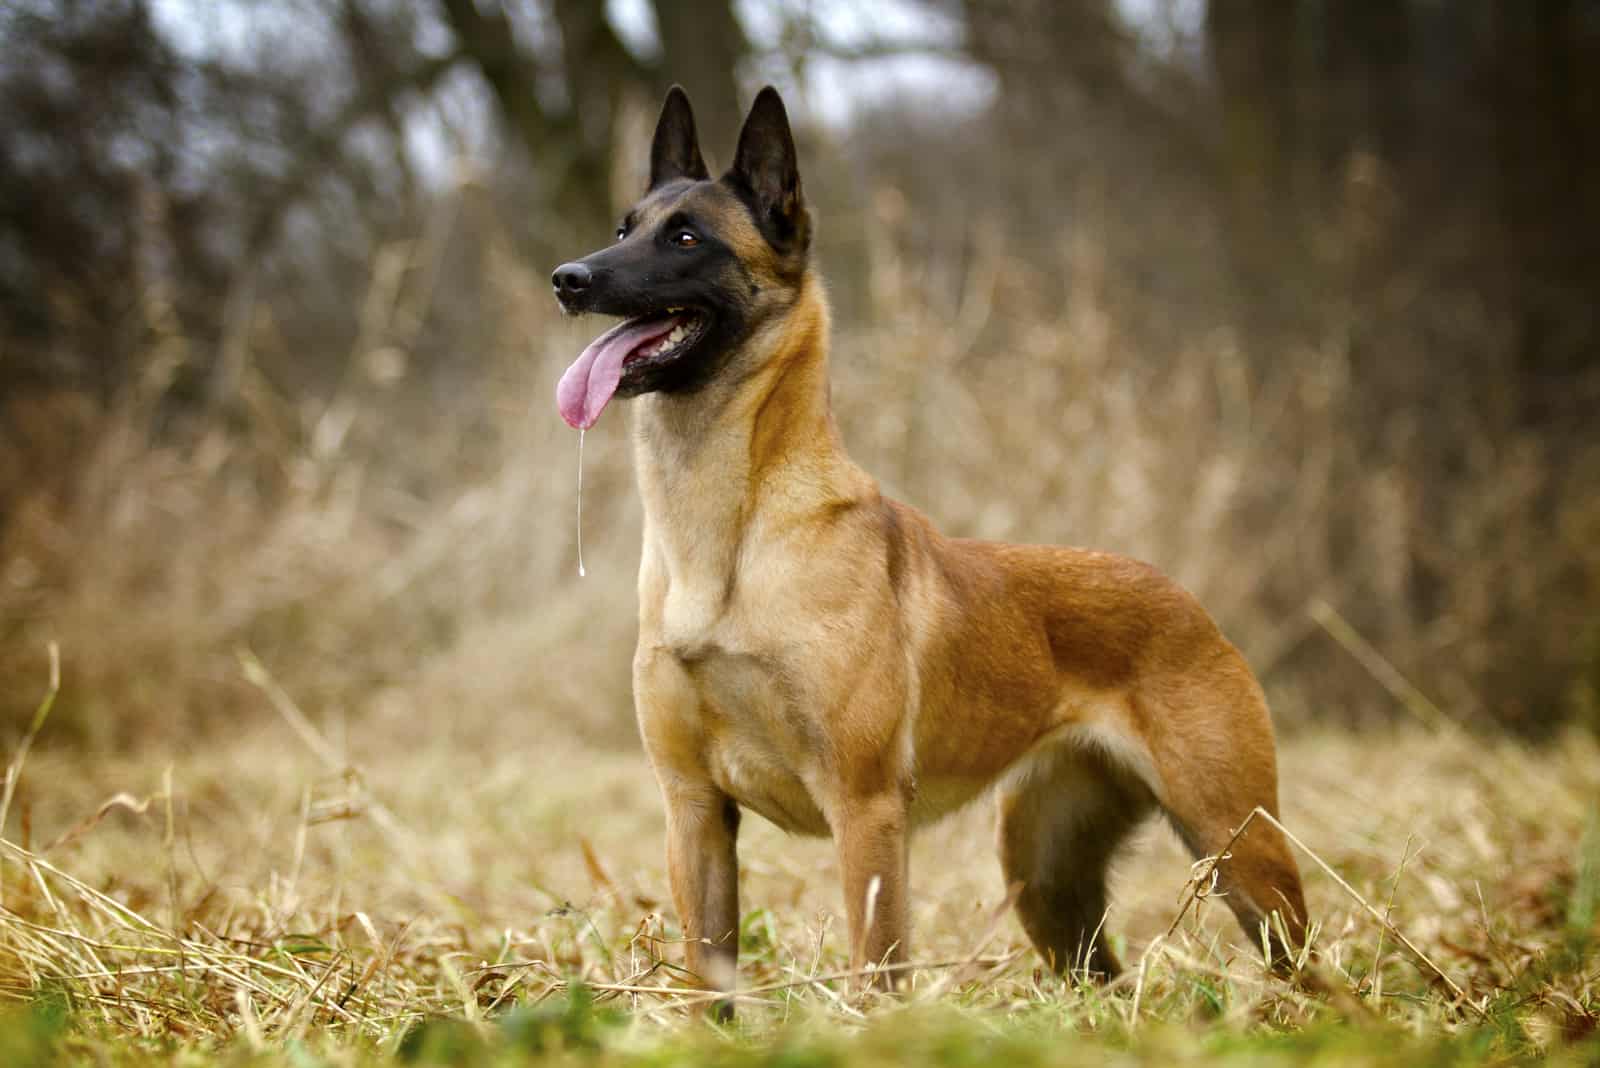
(413,530)
(285,884)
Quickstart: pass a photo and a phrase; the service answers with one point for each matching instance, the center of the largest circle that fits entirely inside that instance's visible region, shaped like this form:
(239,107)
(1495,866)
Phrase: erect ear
(767,172)
(675,152)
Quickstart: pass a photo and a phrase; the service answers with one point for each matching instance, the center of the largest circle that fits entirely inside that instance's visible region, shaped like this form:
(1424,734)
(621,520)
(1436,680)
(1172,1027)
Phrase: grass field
(470,886)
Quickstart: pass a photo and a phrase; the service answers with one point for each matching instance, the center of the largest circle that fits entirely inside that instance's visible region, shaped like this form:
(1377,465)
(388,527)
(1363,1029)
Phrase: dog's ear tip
(767,116)
(676,101)
(768,99)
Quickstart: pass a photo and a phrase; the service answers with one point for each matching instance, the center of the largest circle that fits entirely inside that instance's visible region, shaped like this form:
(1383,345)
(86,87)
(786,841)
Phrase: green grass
(574,1030)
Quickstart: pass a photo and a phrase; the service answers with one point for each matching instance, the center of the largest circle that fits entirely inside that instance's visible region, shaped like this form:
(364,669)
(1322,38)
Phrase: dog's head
(697,266)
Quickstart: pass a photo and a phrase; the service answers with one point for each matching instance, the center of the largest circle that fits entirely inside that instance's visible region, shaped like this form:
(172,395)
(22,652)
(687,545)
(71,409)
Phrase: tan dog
(817,653)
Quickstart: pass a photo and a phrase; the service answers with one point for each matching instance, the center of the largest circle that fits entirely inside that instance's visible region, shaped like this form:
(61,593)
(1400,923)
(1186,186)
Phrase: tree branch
(314,158)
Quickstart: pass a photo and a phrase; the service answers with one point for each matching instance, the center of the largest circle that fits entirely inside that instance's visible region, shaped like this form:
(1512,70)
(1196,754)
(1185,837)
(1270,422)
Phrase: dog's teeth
(666,344)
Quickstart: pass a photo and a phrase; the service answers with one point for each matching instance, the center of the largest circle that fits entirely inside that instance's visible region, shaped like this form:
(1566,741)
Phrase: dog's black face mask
(696,264)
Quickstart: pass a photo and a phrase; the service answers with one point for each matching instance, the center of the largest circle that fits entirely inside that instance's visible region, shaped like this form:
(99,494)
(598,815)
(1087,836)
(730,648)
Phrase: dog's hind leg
(1062,817)
(1212,748)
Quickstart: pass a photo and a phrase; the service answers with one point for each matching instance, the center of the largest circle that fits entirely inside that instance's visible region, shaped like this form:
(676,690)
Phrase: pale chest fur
(734,690)
(765,613)
(759,669)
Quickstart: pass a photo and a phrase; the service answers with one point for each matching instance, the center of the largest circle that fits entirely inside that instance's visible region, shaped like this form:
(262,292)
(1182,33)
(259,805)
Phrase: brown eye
(685,239)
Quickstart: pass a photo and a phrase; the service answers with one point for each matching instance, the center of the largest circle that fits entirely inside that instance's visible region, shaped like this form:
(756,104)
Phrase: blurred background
(1295,300)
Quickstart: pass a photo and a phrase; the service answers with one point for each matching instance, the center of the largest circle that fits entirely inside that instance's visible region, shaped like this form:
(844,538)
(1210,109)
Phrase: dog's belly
(937,797)
(759,749)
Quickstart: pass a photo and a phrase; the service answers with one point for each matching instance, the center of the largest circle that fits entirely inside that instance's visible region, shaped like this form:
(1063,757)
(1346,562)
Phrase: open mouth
(683,328)
(630,348)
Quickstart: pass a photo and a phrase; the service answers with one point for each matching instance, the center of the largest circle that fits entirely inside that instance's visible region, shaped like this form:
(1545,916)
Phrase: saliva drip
(581,572)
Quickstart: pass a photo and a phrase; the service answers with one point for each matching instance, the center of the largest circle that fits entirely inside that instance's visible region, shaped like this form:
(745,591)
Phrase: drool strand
(581,572)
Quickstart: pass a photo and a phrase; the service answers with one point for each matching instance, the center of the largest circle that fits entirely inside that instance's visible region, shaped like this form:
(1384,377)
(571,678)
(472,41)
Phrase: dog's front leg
(871,833)
(702,821)
(703,865)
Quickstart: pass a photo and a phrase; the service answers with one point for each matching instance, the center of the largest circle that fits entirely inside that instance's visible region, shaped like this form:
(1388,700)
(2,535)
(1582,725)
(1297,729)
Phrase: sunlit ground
(340,883)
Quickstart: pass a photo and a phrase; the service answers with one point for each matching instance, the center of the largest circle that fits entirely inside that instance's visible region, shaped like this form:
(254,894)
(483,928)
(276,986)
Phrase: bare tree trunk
(1252,45)
(569,150)
(702,45)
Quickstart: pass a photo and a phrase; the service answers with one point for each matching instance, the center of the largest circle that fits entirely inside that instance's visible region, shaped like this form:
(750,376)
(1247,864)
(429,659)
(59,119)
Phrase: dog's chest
(758,747)
(730,613)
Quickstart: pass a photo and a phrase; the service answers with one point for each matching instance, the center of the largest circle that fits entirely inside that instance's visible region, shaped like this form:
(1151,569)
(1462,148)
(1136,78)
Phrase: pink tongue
(587,386)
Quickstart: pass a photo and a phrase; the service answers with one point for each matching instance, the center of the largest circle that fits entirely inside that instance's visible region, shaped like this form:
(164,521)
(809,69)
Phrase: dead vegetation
(283,883)
(402,533)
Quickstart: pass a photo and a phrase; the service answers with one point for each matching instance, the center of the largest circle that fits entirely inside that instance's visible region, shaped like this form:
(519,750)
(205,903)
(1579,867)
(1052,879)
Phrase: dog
(821,655)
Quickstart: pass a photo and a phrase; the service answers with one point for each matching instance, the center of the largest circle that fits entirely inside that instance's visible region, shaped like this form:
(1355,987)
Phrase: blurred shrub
(270,383)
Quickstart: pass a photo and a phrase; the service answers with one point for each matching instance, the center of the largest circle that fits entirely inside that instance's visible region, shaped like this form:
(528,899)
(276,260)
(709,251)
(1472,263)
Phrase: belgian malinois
(818,653)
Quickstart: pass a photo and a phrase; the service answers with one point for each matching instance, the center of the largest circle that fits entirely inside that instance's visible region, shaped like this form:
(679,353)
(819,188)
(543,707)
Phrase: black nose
(571,279)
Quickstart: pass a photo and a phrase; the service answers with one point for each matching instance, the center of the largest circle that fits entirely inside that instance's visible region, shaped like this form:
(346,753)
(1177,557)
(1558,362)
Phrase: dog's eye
(685,239)
(622,232)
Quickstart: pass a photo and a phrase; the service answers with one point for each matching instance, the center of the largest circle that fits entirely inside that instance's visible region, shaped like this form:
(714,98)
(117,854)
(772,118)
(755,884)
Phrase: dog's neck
(747,448)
